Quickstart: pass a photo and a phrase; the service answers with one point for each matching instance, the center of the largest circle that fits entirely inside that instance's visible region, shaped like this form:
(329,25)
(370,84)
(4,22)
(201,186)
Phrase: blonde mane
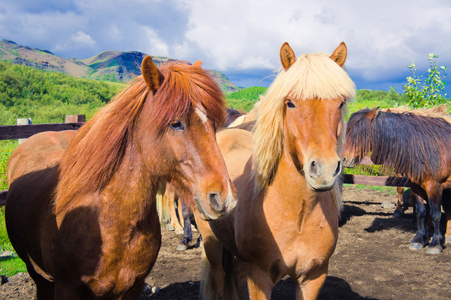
(312,76)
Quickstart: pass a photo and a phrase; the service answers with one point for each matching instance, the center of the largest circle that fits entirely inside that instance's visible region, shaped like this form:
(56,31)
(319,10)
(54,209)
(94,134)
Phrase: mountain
(108,65)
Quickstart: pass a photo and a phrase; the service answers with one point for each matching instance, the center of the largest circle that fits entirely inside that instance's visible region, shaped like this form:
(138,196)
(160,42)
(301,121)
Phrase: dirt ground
(372,260)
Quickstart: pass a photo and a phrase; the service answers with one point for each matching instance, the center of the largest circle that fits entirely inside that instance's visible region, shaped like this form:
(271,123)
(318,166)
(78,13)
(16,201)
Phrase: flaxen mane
(97,150)
(312,76)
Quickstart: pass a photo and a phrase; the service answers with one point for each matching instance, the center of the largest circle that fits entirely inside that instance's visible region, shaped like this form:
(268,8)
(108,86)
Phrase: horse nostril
(314,168)
(338,169)
(215,201)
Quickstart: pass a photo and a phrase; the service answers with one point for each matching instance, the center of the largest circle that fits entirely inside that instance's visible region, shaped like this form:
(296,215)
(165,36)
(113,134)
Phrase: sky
(242,38)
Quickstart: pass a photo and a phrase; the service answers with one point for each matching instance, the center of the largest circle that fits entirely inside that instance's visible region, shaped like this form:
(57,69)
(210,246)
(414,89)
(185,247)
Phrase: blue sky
(242,38)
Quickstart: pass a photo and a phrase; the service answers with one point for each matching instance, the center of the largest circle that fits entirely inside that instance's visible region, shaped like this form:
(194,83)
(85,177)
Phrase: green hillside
(115,66)
(47,97)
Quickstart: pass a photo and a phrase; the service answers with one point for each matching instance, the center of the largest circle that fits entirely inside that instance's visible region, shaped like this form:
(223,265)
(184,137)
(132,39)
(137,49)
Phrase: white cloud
(383,36)
(78,40)
(155,44)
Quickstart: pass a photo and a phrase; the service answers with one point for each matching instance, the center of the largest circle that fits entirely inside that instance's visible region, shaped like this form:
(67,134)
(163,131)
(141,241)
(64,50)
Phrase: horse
(175,208)
(246,118)
(416,143)
(81,209)
(285,172)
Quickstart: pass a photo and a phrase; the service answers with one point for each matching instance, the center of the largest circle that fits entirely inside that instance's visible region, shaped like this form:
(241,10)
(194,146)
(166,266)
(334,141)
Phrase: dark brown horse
(417,145)
(81,209)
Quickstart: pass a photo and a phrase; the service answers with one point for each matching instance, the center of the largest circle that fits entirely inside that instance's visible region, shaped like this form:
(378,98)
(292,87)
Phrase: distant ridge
(109,65)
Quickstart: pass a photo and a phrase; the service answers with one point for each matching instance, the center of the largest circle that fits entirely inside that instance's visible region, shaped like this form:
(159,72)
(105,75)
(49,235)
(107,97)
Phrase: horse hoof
(415,246)
(448,240)
(169,227)
(182,247)
(434,250)
(179,231)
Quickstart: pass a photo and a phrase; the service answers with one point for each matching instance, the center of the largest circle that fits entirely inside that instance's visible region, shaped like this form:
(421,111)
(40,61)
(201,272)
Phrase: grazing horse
(285,173)
(417,144)
(81,209)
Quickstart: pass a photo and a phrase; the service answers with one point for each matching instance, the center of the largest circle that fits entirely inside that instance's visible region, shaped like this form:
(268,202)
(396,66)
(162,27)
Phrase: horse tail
(209,280)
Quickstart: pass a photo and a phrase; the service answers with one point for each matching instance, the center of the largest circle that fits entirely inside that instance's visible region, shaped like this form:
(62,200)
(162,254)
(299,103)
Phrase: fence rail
(74,122)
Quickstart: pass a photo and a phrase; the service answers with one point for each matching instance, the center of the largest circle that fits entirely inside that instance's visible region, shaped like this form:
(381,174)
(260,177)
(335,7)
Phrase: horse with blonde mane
(81,209)
(286,174)
(416,143)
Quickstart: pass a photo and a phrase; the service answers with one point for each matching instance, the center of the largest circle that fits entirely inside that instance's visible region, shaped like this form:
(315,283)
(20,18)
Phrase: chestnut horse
(417,144)
(285,173)
(81,209)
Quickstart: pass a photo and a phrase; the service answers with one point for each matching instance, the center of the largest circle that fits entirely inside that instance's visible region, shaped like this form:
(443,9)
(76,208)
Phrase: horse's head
(177,126)
(311,95)
(358,136)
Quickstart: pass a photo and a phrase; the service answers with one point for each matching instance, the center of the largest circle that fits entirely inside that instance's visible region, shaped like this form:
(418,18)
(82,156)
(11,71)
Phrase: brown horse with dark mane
(286,173)
(81,209)
(417,144)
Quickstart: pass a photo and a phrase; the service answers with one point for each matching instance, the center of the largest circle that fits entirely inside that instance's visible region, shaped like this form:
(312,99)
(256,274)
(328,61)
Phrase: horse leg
(187,230)
(446,203)
(422,237)
(212,272)
(45,289)
(310,288)
(259,284)
(435,201)
(398,210)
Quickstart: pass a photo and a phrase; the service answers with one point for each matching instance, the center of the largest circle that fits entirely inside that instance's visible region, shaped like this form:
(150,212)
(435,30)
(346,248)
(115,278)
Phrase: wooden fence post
(23,121)
(75,118)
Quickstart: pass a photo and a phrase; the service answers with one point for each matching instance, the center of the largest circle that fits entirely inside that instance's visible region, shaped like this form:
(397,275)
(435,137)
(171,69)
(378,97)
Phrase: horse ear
(198,64)
(287,56)
(151,74)
(372,114)
(340,54)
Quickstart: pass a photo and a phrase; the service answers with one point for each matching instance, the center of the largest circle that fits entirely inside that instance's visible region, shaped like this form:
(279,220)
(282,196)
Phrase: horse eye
(290,104)
(343,103)
(177,125)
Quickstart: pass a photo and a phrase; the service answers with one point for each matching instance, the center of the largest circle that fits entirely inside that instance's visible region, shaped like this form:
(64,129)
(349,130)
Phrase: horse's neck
(288,189)
(132,189)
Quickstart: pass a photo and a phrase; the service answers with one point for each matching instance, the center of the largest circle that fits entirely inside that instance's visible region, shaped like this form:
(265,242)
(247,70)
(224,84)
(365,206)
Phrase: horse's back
(236,146)
(38,152)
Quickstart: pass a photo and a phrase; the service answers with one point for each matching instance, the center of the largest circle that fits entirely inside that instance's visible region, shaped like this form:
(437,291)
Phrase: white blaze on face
(200,111)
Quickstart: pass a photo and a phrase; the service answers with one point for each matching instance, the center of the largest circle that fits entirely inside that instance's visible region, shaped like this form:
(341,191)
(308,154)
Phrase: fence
(74,122)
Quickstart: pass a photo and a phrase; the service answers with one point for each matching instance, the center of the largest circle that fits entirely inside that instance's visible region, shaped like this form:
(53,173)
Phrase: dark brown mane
(358,133)
(98,149)
(413,144)
(232,115)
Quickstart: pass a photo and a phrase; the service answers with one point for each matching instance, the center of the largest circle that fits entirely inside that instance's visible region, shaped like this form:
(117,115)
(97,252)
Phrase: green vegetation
(246,98)
(8,265)
(47,97)
(432,91)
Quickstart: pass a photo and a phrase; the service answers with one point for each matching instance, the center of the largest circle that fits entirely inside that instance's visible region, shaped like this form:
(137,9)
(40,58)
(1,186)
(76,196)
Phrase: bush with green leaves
(431,91)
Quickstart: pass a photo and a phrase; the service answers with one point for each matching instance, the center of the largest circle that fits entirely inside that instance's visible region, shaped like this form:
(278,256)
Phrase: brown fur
(285,224)
(81,208)
(416,144)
